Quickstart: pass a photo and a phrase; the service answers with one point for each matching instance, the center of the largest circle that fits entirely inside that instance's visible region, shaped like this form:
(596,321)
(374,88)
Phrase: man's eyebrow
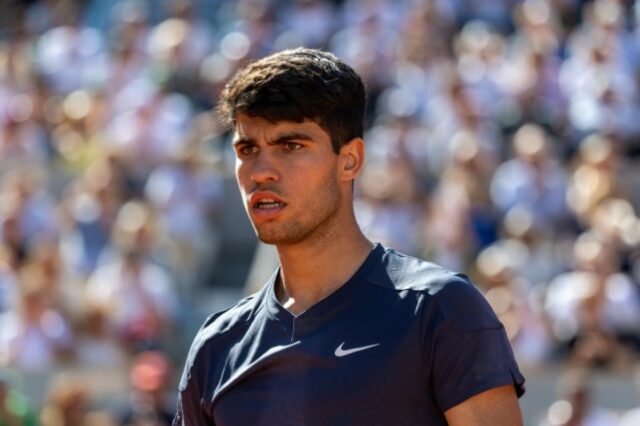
(289,136)
(242,141)
(278,140)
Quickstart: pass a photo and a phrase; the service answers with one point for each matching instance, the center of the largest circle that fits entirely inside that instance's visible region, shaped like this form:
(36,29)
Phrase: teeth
(268,204)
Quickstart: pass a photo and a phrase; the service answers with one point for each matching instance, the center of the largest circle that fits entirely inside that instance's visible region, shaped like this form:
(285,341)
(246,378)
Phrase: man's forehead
(246,126)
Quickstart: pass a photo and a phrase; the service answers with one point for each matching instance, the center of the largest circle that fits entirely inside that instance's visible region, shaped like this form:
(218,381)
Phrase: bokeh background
(503,140)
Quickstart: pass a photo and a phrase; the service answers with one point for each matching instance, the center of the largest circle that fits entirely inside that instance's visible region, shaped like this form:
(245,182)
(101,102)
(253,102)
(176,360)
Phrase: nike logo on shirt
(340,352)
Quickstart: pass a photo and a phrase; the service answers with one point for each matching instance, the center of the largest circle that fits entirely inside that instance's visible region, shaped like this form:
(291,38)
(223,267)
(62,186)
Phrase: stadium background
(503,140)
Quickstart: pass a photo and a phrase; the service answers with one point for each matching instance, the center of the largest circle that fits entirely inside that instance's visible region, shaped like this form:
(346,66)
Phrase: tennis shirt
(401,342)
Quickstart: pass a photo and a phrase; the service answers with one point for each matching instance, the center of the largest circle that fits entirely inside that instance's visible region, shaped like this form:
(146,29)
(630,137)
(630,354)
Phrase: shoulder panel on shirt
(398,271)
(219,324)
(464,307)
(225,320)
(459,301)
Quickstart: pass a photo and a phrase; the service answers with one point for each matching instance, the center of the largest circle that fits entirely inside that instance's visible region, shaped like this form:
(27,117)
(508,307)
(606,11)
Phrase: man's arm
(497,406)
(474,376)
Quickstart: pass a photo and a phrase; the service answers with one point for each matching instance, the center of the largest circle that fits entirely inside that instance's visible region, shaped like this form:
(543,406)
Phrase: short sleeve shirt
(401,342)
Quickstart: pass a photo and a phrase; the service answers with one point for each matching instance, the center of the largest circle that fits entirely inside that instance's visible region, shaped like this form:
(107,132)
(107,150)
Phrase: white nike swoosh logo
(344,352)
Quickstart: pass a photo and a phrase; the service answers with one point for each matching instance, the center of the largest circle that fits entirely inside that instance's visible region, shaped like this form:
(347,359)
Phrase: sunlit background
(503,140)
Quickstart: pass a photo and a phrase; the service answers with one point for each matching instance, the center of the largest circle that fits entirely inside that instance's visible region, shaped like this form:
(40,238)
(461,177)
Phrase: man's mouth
(268,203)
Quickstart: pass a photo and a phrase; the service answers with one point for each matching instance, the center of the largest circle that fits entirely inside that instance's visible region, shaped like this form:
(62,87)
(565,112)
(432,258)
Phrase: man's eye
(291,146)
(247,150)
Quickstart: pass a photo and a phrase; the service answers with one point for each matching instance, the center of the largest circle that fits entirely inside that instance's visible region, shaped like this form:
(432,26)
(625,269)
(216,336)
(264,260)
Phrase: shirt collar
(327,308)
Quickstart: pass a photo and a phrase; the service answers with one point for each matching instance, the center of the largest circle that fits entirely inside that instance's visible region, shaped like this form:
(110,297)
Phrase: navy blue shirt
(401,342)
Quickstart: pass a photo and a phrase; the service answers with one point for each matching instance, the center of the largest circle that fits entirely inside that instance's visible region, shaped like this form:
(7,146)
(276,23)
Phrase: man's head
(298,84)
(297,121)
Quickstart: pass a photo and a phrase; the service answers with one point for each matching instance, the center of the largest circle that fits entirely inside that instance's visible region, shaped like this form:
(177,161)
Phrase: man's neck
(310,271)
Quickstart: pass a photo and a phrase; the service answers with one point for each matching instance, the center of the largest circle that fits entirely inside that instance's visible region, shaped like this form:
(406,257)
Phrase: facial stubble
(314,223)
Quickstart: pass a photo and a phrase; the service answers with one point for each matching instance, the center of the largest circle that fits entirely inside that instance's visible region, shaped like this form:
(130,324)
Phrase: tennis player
(346,332)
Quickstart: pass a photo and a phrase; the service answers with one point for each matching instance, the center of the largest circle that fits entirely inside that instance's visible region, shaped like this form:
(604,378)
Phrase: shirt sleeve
(470,350)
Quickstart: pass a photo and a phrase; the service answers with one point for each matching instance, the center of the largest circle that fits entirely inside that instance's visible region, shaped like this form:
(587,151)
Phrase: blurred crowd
(503,140)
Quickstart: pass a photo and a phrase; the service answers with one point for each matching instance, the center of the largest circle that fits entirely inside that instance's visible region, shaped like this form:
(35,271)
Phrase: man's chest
(340,373)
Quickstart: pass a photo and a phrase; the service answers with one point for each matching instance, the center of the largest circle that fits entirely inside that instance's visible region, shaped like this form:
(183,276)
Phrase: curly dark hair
(299,84)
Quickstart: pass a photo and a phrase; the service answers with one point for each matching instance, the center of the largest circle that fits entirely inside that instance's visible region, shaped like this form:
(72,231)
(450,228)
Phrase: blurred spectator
(139,294)
(68,54)
(69,403)
(22,141)
(368,44)
(597,74)
(533,255)
(187,193)
(150,401)
(62,288)
(457,107)
(77,121)
(595,308)
(96,346)
(533,179)
(129,32)
(386,206)
(601,172)
(27,210)
(151,132)
(529,73)
(508,295)
(461,218)
(180,43)
(35,337)
(89,210)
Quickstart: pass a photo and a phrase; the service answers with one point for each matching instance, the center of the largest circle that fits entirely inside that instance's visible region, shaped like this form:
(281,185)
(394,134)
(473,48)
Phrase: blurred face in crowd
(34,305)
(291,180)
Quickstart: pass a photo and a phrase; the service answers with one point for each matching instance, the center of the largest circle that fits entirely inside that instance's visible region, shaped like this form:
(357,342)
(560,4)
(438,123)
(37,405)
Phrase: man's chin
(274,240)
(277,238)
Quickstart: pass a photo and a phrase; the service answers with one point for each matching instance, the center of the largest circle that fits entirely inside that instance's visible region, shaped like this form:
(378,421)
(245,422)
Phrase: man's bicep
(497,406)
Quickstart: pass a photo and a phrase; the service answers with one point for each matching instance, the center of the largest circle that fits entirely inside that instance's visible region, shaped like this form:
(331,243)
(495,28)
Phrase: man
(345,332)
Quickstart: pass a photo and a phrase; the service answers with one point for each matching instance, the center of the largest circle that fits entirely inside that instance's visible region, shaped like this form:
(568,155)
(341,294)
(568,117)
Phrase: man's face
(288,177)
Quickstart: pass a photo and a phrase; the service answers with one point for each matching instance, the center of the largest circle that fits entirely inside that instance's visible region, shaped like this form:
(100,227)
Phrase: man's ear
(351,159)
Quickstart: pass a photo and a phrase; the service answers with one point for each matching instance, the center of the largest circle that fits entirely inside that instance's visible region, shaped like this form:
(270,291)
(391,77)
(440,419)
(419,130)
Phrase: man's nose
(264,169)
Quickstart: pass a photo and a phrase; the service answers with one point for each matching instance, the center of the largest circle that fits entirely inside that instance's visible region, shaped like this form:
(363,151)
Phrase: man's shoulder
(219,332)
(225,324)
(457,299)
(399,271)
(225,321)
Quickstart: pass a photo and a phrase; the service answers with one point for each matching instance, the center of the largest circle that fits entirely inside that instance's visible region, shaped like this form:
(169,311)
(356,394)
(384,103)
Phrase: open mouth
(268,204)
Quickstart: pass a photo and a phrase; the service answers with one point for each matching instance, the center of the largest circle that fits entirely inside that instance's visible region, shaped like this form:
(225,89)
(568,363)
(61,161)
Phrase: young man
(346,332)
